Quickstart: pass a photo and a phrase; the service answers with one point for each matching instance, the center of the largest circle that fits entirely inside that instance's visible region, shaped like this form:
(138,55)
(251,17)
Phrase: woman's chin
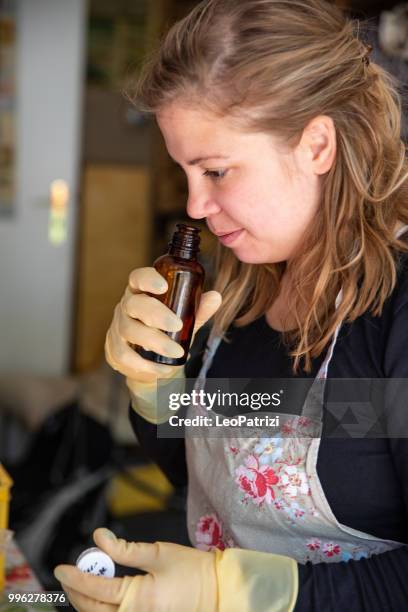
(250,257)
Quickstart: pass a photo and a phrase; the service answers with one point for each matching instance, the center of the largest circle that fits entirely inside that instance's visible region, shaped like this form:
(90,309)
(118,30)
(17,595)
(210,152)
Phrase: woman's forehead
(183,115)
(192,134)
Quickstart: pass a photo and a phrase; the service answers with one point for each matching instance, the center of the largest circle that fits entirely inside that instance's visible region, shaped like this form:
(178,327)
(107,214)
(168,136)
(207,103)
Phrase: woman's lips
(228,239)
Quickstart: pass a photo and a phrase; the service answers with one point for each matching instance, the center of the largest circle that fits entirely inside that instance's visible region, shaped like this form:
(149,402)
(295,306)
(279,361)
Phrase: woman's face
(247,188)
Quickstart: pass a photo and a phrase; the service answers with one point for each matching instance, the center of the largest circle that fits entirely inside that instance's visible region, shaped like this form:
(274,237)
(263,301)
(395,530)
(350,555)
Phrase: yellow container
(5,486)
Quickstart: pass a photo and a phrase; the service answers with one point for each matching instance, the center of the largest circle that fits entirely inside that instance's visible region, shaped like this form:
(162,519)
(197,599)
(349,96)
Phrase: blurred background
(87,194)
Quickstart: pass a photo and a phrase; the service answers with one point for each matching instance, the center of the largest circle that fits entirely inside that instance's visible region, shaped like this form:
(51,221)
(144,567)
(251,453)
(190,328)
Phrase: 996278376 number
(52,597)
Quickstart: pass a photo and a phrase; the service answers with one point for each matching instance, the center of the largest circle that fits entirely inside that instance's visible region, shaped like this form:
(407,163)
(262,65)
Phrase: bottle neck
(184,253)
(185,242)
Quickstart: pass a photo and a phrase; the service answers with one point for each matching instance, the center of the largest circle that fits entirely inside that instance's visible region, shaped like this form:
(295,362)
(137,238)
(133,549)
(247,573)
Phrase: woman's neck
(278,315)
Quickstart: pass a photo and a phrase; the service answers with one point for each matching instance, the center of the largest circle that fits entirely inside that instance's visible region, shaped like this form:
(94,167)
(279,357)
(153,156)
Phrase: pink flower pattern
(277,480)
(331,549)
(256,481)
(319,552)
(313,544)
(209,534)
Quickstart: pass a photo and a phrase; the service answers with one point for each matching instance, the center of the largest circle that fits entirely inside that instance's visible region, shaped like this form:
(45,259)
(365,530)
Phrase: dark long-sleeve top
(365,480)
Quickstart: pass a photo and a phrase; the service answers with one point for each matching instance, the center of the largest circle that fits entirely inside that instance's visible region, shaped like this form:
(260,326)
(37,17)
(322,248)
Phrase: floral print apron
(263,493)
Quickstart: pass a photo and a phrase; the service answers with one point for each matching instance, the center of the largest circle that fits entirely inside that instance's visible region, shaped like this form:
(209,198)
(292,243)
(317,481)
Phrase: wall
(36,277)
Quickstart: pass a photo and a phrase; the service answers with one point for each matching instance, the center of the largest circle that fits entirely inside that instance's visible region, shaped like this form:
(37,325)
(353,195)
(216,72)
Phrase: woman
(290,140)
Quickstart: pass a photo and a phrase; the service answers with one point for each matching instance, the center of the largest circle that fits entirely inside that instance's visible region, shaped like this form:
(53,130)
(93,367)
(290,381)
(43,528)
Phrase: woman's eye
(215,174)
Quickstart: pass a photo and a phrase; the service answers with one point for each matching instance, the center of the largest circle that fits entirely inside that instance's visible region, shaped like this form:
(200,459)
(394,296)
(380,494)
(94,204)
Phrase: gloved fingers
(142,595)
(209,304)
(147,383)
(135,332)
(141,555)
(147,279)
(82,603)
(122,358)
(150,311)
(106,590)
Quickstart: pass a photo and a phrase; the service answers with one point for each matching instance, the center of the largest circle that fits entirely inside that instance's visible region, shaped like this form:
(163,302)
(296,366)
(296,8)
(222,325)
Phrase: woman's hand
(183,579)
(142,319)
(179,579)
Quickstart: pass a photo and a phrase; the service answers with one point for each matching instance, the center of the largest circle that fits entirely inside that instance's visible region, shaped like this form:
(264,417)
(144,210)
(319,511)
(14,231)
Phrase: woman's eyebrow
(198,160)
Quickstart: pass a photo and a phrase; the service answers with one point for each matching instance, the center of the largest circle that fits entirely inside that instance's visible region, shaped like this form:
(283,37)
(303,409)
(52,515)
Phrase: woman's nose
(200,205)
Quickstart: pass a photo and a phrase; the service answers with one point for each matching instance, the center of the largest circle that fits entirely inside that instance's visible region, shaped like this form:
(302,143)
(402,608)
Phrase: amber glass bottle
(185,277)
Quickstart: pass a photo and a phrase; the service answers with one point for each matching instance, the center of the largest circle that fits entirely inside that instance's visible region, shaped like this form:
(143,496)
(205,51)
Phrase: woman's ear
(318,144)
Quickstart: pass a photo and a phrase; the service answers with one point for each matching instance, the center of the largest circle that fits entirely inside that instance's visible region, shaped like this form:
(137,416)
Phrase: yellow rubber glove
(142,319)
(253,581)
(183,579)
(143,396)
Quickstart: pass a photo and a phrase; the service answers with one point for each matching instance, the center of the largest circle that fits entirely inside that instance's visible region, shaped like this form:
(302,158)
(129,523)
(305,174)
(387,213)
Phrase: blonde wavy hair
(273,65)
